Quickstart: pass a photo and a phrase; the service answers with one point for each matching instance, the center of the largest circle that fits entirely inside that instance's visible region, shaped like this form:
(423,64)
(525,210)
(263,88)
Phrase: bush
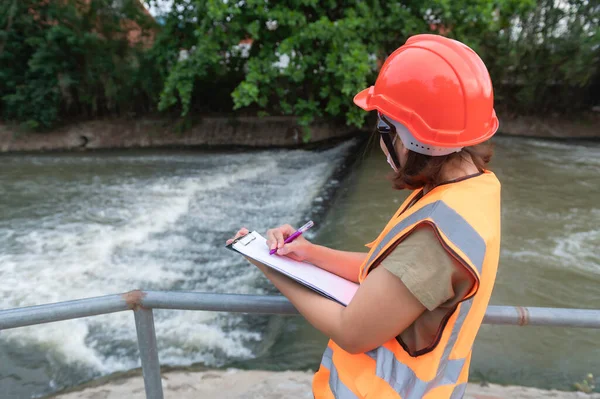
(73,58)
(308,58)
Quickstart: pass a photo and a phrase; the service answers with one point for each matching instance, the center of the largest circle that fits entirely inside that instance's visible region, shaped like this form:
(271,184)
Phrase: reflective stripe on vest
(459,391)
(454,226)
(404,380)
(399,376)
(337,387)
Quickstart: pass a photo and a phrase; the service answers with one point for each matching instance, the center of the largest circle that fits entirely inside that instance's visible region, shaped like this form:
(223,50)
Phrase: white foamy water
(556,189)
(574,243)
(85,226)
(81,225)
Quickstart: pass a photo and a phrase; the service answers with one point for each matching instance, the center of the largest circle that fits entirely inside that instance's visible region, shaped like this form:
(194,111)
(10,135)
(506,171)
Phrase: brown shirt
(435,278)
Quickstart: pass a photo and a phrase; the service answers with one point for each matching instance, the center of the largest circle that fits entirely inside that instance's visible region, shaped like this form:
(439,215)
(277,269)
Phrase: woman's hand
(299,249)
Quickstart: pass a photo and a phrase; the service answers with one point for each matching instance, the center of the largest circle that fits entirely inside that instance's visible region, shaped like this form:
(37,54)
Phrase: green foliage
(308,58)
(188,61)
(542,56)
(546,58)
(72,58)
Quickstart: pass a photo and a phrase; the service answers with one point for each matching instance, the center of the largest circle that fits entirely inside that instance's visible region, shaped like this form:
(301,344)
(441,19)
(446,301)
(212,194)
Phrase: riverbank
(272,131)
(238,384)
(226,132)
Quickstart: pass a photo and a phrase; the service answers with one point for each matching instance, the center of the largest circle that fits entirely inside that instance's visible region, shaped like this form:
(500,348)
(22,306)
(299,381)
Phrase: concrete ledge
(586,126)
(157,132)
(238,384)
(272,131)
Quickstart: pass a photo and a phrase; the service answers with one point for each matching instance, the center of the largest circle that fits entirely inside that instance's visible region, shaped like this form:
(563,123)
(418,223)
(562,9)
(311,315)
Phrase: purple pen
(295,235)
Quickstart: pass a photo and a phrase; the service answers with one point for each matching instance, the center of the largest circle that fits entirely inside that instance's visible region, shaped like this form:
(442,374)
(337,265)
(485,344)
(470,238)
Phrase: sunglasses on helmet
(387,131)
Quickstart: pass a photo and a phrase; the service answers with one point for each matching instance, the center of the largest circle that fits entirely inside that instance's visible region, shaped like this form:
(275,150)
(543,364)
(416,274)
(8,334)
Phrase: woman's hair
(420,170)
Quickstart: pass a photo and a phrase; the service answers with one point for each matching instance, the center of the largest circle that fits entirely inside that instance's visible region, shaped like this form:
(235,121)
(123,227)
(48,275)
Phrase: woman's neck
(454,170)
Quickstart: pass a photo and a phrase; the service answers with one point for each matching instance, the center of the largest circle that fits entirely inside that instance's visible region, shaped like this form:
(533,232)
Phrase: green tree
(307,58)
(72,58)
(542,56)
(546,59)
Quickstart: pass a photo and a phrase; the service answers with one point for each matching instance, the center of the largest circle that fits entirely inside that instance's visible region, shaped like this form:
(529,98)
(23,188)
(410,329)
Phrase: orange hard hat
(439,89)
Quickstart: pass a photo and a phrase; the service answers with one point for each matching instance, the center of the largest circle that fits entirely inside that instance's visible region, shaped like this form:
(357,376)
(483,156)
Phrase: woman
(427,279)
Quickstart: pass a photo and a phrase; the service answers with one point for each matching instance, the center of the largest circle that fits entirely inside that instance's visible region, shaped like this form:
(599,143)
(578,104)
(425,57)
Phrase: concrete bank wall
(585,127)
(243,131)
(155,132)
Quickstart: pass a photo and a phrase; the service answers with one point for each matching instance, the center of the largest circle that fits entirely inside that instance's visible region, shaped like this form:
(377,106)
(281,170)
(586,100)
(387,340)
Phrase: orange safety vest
(466,218)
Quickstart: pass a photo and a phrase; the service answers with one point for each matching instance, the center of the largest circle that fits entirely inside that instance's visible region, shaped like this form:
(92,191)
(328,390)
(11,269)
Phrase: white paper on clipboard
(332,286)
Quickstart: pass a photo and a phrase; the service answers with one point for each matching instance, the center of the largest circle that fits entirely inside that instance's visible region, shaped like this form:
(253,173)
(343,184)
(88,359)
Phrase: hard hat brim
(361,99)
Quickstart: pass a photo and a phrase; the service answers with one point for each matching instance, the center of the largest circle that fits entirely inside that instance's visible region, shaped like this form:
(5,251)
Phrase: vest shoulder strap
(456,235)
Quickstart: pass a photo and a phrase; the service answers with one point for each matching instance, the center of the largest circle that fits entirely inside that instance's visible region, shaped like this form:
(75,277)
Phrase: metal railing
(142,303)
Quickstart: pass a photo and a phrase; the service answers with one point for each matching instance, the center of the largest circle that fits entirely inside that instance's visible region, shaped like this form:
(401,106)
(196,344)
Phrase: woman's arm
(343,263)
(381,309)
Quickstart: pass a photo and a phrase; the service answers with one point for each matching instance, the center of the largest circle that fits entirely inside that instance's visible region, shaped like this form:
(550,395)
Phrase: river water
(88,224)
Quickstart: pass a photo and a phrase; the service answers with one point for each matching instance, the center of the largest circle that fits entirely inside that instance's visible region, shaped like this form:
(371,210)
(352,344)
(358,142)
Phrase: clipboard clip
(245,240)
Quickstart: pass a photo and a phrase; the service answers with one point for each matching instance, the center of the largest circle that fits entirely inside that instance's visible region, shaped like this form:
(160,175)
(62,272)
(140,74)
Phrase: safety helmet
(438,93)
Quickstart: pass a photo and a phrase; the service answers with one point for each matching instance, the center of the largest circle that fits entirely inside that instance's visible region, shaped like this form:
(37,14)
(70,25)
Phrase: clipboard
(327,284)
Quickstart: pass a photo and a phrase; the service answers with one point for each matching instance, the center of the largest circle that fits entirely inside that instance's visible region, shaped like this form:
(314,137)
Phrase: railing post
(144,325)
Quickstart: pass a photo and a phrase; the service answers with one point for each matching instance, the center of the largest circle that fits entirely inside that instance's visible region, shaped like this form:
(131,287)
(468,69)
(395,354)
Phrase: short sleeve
(426,269)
